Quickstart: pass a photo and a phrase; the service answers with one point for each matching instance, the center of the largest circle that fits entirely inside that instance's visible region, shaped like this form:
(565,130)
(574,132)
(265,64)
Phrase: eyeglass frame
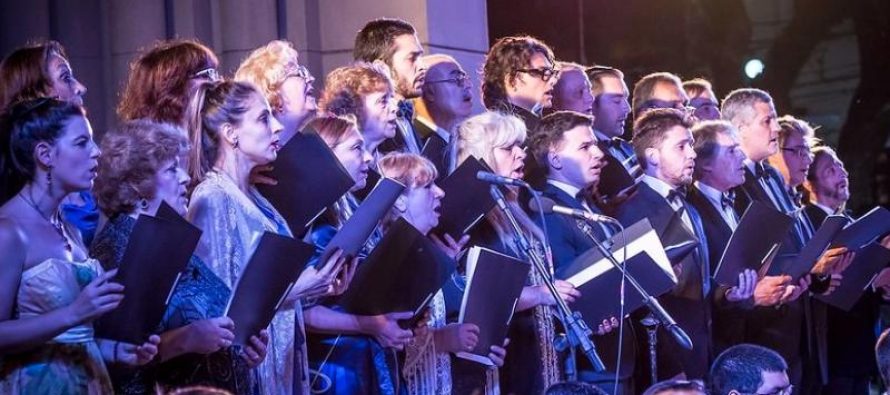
(462,81)
(210,73)
(800,151)
(300,72)
(541,73)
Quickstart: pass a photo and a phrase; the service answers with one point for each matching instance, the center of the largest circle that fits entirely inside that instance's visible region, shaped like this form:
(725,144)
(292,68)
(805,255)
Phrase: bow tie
(406,110)
(677,193)
(727,200)
(760,171)
(796,196)
(610,143)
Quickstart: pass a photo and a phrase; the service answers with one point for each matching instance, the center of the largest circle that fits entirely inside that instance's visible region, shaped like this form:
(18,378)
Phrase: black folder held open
(274,266)
(494,282)
(799,265)
(310,178)
(869,260)
(355,232)
(466,200)
(754,243)
(601,284)
(866,229)
(402,273)
(157,252)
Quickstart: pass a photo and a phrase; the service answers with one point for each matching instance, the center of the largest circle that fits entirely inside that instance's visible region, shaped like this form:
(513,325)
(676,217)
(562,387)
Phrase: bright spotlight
(754,68)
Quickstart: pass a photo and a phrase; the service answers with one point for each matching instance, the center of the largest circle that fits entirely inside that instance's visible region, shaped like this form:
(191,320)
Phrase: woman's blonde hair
(412,170)
(480,135)
(267,67)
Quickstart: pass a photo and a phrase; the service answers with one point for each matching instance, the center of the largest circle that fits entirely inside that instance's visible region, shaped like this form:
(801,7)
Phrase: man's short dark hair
(882,353)
(676,385)
(652,127)
(705,134)
(574,388)
(549,132)
(740,368)
(376,40)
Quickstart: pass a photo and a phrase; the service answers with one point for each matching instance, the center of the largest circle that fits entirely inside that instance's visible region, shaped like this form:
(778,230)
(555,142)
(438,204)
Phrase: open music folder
(466,199)
(601,284)
(754,243)
(149,274)
(494,282)
(269,275)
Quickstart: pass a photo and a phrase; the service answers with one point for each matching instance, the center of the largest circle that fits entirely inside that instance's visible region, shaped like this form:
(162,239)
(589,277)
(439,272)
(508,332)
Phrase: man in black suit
(564,142)
(663,144)
(719,167)
(448,100)
(789,329)
(395,43)
(850,335)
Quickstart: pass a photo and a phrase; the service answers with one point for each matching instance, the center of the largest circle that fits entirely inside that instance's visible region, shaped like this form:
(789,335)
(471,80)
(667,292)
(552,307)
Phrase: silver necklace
(56,225)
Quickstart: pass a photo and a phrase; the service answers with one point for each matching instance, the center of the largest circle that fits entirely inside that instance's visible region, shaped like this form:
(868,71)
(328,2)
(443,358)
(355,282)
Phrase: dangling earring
(235,145)
(49,178)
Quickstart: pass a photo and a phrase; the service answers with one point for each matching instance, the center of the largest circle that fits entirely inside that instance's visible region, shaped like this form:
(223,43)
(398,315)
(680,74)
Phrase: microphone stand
(578,331)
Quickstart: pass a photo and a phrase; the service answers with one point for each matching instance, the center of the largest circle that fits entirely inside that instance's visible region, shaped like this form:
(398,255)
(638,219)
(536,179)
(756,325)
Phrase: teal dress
(70,363)
(199,294)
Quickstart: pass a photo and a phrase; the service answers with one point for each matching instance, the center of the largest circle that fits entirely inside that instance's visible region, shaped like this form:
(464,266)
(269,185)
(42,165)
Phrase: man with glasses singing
(448,99)
(747,369)
(659,90)
(517,79)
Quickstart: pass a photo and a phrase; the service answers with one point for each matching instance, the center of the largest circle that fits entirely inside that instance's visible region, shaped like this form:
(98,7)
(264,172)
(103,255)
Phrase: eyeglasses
(656,103)
(209,73)
(301,72)
(801,152)
(544,74)
(462,81)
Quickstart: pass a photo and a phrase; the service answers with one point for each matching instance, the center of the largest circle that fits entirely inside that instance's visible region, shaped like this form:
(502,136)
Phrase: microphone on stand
(492,178)
(548,206)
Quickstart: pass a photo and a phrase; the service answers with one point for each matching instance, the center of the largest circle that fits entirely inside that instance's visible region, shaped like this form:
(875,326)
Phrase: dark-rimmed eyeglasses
(545,74)
(462,81)
(801,152)
(209,73)
(299,72)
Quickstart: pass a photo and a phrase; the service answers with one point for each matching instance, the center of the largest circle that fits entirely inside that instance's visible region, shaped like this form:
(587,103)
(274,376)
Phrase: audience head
(752,112)
(520,70)
(447,90)
(38,70)
(395,43)
(199,390)
(827,178)
(572,91)
(140,168)
(162,78)
(47,143)
(677,387)
(564,143)
(419,202)
(663,143)
(574,388)
(794,158)
(749,369)
(610,106)
(230,121)
(702,99)
(496,139)
(365,91)
(341,135)
(658,90)
(719,162)
(275,70)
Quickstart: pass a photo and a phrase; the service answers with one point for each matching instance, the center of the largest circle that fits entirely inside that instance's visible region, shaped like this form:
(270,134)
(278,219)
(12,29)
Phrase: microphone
(549,206)
(492,178)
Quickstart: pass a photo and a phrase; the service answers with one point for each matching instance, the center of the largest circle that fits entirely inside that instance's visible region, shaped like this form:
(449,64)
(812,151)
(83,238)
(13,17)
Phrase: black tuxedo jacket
(686,302)
(439,157)
(567,242)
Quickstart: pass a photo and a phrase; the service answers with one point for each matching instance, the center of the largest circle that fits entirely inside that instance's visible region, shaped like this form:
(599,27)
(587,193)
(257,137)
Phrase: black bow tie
(727,200)
(796,196)
(610,143)
(677,193)
(406,110)
(760,171)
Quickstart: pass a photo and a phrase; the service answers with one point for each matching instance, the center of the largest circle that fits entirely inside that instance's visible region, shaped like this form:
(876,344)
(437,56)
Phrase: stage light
(754,68)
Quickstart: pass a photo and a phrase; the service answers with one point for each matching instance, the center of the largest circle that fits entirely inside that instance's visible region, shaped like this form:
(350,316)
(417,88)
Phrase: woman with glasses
(162,78)
(531,364)
(50,290)
(43,70)
(287,85)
